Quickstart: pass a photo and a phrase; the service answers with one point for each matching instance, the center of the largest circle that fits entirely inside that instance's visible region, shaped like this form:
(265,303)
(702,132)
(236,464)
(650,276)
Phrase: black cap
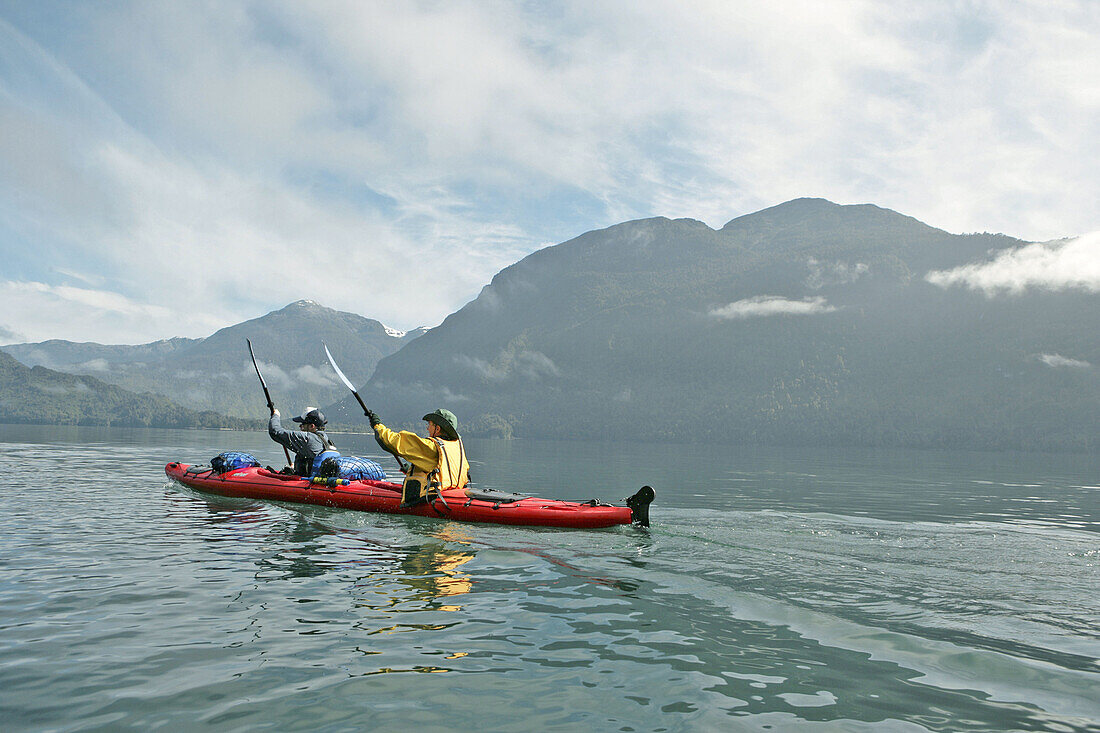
(313,416)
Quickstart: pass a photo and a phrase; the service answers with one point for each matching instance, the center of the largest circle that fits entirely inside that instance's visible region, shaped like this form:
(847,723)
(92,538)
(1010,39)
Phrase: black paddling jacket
(309,448)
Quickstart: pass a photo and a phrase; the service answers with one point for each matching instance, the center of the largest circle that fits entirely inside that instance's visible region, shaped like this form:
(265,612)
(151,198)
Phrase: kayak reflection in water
(311,445)
(438,462)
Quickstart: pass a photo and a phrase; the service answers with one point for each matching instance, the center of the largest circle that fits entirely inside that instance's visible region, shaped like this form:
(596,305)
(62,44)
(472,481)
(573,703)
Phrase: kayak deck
(385,497)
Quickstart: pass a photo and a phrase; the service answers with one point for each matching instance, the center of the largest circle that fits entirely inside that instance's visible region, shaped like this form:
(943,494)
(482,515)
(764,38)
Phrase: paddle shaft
(378,440)
(267,394)
(366,410)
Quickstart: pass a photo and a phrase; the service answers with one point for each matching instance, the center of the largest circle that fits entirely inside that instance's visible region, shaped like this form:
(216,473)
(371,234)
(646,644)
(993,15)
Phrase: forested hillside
(807,323)
(42,396)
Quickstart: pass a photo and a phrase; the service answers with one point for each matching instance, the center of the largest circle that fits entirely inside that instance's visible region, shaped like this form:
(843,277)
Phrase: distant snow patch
(1057,360)
(772,305)
(394,332)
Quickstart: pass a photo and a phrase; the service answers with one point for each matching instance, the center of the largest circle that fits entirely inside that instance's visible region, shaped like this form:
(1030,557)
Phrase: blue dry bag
(352,468)
(232,460)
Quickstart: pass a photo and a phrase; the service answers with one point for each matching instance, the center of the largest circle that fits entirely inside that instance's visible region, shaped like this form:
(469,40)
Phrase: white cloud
(323,377)
(450,397)
(532,365)
(833,273)
(1066,265)
(480,367)
(535,365)
(80,314)
(274,375)
(88,278)
(425,391)
(202,157)
(100,300)
(772,305)
(8,336)
(93,365)
(194,397)
(61,389)
(1057,360)
(216,230)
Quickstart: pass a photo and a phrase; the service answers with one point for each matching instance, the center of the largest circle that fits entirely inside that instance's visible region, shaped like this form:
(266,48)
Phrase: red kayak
(462,505)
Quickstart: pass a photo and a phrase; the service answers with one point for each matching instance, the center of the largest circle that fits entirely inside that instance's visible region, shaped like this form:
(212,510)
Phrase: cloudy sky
(167,169)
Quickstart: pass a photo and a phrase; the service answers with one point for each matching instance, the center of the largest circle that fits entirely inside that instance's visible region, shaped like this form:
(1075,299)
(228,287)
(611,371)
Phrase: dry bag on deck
(351,468)
(232,460)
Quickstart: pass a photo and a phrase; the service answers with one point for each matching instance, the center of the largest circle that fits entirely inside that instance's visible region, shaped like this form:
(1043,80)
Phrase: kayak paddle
(362,404)
(267,394)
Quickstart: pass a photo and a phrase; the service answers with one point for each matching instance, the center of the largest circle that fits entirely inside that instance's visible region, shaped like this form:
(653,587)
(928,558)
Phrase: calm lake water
(777,590)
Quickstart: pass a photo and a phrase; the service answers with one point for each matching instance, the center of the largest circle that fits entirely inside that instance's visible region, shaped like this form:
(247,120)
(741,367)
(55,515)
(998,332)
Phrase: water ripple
(852,594)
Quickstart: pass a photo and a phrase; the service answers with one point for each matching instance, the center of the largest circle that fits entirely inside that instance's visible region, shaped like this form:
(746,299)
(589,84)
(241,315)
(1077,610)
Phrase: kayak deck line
(385,497)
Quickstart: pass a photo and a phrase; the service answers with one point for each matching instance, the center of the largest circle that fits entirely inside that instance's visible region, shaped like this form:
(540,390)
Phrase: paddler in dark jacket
(438,462)
(310,444)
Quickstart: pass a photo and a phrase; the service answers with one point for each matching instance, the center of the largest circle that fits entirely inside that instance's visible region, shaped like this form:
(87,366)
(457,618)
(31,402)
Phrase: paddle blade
(253,355)
(336,369)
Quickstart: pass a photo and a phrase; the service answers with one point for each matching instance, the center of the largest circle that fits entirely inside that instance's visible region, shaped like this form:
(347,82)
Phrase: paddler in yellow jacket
(438,462)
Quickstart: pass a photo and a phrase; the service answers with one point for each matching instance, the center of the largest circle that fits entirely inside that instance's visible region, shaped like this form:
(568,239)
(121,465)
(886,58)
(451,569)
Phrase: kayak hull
(385,497)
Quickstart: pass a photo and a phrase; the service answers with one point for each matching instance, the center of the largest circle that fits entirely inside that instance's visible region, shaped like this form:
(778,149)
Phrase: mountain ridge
(809,322)
(216,372)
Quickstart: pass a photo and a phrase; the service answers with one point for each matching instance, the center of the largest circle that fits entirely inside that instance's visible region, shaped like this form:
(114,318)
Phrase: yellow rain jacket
(437,463)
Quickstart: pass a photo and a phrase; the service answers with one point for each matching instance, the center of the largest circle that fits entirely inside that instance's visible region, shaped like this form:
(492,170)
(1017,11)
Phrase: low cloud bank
(94,365)
(1057,360)
(322,377)
(534,365)
(772,305)
(274,376)
(61,389)
(1064,265)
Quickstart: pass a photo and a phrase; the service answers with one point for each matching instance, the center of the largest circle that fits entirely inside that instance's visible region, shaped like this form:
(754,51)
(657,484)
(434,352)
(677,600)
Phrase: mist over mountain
(58,354)
(38,395)
(216,373)
(805,323)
